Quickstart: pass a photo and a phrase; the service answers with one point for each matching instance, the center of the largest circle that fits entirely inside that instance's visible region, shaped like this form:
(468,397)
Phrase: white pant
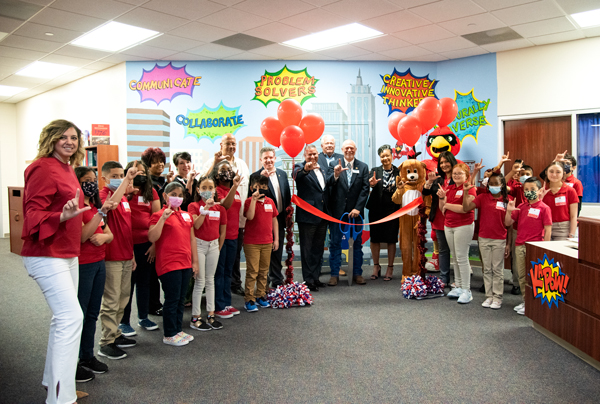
(459,240)
(58,278)
(208,258)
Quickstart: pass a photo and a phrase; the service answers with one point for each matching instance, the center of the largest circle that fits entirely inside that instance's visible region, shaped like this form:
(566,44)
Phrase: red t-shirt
(233,213)
(49,185)
(532,218)
(454,195)
(574,183)
(260,229)
(560,203)
(173,248)
(90,252)
(210,229)
(119,222)
(440,218)
(491,214)
(516,191)
(140,217)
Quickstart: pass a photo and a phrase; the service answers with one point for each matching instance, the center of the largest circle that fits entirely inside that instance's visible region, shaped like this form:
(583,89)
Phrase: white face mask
(485,181)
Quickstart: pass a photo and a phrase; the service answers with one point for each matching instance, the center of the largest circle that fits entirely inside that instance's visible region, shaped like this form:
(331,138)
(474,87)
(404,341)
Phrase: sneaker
(185,336)
(123,342)
(83,375)
(455,293)
(127,330)
(112,351)
(488,302)
(175,340)
(223,313)
(262,302)
(519,307)
(94,365)
(521,311)
(232,310)
(147,324)
(200,325)
(436,261)
(213,323)
(495,305)
(250,306)
(465,297)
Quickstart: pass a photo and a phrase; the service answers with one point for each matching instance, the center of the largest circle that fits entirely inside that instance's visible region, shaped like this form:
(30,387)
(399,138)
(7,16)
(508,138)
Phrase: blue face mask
(206,194)
(567,169)
(114,183)
(495,190)
(523,178)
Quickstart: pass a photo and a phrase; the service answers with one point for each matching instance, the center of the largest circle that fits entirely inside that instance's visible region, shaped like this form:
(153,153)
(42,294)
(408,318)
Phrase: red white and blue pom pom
(434,285)
(414,287)
(292,294)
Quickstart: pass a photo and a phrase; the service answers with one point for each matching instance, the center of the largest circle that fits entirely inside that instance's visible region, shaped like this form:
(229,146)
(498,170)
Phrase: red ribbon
(311,209)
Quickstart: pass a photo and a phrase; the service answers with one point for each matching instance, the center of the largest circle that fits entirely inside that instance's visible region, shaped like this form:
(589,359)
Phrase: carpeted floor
(357,344)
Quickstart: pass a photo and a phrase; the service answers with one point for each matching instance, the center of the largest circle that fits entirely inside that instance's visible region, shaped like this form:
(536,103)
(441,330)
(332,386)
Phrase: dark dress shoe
(312,287)
(320,284)
(158,312)
(238,290)
(516,290)
(359,280)
(482,288)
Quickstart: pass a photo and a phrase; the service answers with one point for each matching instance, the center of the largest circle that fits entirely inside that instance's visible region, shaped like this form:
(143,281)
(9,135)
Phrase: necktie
(349,173)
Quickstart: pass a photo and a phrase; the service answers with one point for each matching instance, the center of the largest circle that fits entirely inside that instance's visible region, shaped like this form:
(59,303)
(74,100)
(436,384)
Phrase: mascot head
(442,139)
(412,173)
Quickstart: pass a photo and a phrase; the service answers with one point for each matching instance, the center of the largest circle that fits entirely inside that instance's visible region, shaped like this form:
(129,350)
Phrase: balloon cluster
(293,294)
(430,112)
(413,287)
(290,130)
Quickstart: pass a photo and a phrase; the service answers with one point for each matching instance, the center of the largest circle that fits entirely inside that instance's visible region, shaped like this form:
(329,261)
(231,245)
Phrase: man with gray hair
(328,153)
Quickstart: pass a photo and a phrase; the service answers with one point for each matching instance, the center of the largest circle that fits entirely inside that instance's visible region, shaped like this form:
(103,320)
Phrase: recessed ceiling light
(587,18)
(10,90)
(44,70)
(49,34)
(114,37)
(333,37)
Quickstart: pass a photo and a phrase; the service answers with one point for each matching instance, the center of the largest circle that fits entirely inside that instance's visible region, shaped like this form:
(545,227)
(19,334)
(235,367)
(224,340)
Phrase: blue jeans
(223,274)
(174,284)
(335,252)
(89,294)
(444,256)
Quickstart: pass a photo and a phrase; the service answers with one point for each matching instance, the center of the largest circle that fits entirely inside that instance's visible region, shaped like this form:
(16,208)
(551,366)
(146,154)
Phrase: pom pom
(291,294)
(414,287)
(434,285)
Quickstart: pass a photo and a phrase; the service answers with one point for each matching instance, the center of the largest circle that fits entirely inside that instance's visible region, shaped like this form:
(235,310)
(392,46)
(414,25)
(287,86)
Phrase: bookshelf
(96,156)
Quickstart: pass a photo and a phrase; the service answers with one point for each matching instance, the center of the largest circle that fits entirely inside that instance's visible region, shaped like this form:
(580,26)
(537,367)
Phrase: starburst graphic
(549,281)
(471,115)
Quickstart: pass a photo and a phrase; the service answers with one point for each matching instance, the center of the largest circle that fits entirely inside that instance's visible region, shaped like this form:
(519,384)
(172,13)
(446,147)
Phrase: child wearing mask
(262,237)
(535,220)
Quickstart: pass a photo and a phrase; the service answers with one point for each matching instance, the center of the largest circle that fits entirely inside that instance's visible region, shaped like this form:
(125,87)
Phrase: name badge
(570,184)
(535,213)
(500,205)
(214,215)
(237,197)
(459,192)
(560,200)
(126,206)
(268,207)
(141,201)
(101,222)
(186,216)
(354,171)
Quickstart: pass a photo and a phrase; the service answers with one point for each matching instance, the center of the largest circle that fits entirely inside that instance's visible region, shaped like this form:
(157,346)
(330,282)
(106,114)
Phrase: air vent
(19,10)
(243,42)
(492,36)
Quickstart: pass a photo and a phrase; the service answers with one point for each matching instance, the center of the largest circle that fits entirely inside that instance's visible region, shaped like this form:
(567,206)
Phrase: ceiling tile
(195,30)
(134,2)
(100,65)
(277,51)
(315,20)
(183,8)
(473,23)
(247,56)
(434,57)
(424,34)
(13,63)
(188,56)
(39,2)
(65,19)
(18,10)
(83,53)
(578,6)
(9,24)
(38,31)
(150,52)
(175,43)
(214,51)
(411,3)
(540,10)
(142,17)
(17,53)
(382,43)
(447,10)
(545,27)
(66,60)
(408,52)
(274,9)
(590,32)
(492,5)
(371,56)
(310,56)
(119,57)
(105,9)
(446,45)
(228,3)
(463,53)
(507,45)
(276,32)
(23,81)
(398,21)
(23,42)
(235,20)
(343,52)
(560,37)
(355,10)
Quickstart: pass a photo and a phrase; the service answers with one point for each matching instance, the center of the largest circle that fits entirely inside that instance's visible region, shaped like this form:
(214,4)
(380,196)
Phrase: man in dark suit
(312,188)
(279,188)
(349,182)
(328,154)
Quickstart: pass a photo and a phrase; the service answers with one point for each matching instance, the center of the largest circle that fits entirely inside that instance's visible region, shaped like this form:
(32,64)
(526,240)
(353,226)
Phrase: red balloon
(393,121)
(289,112)
(292,140)
(449,111)
(313,127)
(415,114)
(430,111)
(271,130)
(409,129)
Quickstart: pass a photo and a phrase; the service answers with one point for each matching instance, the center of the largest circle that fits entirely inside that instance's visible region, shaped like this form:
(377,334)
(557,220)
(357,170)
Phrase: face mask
(89,188)
(485,181)
(226,175)
(115,183)
(567,169)
(495,190)
(531,195)
(206,194)
(265,192)
(523,178)
(140,181)
(175,201)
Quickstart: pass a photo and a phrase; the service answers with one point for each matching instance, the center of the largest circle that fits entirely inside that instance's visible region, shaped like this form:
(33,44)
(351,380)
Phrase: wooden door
(15,210)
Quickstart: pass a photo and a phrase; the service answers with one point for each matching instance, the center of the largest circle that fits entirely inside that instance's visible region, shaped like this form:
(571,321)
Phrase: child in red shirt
(535,222)
(562,201)
(262,237)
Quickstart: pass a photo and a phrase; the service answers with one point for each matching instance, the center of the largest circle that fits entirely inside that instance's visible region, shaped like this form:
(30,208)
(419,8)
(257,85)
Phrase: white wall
(8,158)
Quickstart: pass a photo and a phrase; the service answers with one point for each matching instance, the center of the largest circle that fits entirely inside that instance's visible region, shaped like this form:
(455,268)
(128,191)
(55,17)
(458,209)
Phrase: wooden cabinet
(96,156)
(15,209)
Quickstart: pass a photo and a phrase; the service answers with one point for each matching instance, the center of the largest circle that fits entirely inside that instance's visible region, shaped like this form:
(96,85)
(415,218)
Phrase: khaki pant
(258,258)
(560,230)
(492,253)
(513,260)
(521,267)
(116,296)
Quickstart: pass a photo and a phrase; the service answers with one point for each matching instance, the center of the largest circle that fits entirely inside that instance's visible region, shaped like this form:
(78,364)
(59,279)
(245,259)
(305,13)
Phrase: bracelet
(203,212)
(101,213)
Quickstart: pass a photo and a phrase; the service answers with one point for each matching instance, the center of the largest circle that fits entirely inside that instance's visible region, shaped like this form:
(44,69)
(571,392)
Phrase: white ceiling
(416,30)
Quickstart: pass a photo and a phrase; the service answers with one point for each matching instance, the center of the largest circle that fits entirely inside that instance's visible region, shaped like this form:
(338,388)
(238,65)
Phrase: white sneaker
(185,336)
(175,340)
(455,293)
(519,307)
(488,302)
(465,297)
(495,305)
(521,311)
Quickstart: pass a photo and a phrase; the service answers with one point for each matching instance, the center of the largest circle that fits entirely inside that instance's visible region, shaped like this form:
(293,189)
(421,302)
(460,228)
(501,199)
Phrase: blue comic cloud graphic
(471,115)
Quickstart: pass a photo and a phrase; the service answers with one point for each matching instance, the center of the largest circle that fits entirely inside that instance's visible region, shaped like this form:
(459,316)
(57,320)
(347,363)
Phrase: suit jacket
(323,159)
(343,198)
(377,191)
(309,189)
(286,194)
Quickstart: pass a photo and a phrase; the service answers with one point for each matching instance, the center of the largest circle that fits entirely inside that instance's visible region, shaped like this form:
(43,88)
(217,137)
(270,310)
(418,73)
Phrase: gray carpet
(357,344)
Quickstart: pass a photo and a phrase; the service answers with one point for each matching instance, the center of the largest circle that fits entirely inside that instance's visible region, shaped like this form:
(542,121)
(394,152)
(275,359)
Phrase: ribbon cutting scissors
(351,233)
